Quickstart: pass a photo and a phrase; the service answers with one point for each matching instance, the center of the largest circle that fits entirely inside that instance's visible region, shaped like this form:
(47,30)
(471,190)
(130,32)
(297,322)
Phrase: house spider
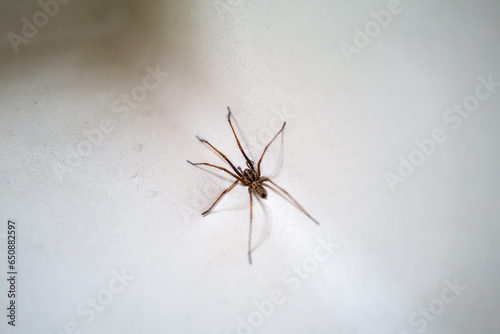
(250,177)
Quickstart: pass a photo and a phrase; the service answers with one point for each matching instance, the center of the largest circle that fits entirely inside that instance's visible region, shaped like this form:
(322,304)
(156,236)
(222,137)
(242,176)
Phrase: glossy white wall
(391,143)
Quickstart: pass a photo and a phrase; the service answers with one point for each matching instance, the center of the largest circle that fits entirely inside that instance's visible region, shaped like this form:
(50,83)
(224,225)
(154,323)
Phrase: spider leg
(221,168)
(258,164)
(237,140)
(250,232)
(220,197)
(221,154)
(291,198)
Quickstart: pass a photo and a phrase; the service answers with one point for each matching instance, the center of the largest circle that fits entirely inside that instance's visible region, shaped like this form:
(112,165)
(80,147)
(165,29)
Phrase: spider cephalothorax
(250,177)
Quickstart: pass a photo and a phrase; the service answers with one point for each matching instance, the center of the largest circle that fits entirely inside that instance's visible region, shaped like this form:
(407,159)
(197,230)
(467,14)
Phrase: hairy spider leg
(291,198)
(250,232)
(220,197)
(221,154)
(214,166)
(265,149)
(249,162)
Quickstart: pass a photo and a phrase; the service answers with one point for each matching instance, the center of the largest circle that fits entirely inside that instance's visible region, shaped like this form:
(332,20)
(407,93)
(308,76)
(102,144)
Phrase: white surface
(133,204)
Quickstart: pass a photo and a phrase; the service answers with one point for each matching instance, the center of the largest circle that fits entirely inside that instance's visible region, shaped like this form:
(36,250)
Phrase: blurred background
(391,143)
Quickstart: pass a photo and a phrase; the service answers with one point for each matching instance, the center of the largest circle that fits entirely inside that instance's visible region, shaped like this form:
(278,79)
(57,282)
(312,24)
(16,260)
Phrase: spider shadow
(219,176)
(242,138)
(232,208)
(281,159)
(267,223)
(267,226)
(244,142)
(281,195)
(224,162)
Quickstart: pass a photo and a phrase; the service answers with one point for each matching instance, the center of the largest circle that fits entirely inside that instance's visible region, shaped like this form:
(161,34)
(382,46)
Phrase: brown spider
(250,177)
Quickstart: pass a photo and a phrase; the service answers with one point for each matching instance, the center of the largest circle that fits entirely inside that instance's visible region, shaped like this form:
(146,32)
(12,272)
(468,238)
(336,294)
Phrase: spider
(250,177)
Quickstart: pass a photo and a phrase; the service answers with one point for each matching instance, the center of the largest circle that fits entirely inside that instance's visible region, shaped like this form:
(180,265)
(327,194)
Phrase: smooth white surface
(133,204)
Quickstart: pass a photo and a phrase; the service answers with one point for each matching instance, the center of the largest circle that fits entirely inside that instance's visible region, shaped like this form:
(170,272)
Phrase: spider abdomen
(259,189)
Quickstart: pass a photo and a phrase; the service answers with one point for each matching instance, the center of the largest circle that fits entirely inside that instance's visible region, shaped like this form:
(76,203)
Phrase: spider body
(250,177)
